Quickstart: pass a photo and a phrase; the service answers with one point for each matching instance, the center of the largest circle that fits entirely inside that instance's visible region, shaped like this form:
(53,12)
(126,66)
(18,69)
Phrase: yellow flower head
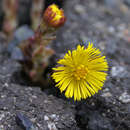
(81,73)
(54,16)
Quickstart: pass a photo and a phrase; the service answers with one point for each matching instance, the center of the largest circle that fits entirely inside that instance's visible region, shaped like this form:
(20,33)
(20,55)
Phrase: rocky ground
(24,106)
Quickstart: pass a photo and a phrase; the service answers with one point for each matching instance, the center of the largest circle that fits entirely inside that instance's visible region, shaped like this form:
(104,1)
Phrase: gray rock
(127,2)
(1,127)
(17,54)
(111,30)
(17,97)
(111,48)
(79,9)
(91,117)
(97,122)
(51,125)
(106,94)
(24,122)
(34,103)
(21,34)
(111,3)
(125,98)
(115,6)
(119,72)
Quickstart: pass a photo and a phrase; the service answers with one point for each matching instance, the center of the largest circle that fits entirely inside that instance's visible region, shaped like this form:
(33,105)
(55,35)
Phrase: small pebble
(119,72)
(46,118)
(106,90)
(107,94)
(1,127)
(2,116)
(111,30)
(50,123)
(24,122)
(6,85)
(125,98)
(79,9)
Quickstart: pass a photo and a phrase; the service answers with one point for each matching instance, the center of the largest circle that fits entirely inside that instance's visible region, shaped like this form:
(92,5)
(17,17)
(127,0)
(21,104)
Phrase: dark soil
(107,24)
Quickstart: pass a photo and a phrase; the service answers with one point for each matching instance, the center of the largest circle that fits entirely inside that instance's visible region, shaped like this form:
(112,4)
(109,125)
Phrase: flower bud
(54,17)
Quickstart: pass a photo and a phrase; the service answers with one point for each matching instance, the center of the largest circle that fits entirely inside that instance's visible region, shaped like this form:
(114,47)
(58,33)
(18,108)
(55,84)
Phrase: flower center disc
(80,72)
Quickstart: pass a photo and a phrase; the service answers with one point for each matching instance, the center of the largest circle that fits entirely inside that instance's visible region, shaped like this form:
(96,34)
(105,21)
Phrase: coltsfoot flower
(53,16)
(81,73)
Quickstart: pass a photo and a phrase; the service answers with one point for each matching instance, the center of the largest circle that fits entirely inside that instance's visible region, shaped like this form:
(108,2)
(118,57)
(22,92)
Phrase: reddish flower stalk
(35,50)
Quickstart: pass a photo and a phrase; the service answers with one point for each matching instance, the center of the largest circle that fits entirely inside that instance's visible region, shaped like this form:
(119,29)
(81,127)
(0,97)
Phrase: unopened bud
(54,17)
